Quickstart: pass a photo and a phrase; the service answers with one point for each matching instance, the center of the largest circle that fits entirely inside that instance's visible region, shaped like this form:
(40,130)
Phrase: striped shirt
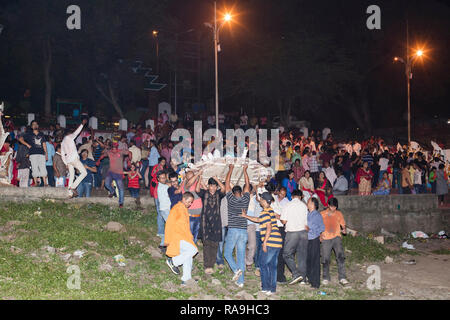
(367,158)
(268,216)
(97,153)
(235,206)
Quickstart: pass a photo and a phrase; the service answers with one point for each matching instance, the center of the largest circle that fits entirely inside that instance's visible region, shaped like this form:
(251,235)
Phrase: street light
(409,62)
(227,18)
(155,35)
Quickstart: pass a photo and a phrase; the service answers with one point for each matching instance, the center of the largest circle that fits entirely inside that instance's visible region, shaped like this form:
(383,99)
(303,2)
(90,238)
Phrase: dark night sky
(337,20)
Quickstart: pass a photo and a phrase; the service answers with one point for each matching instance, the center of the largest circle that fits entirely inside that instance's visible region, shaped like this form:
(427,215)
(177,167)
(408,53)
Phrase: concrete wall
(61,194)
(395,213)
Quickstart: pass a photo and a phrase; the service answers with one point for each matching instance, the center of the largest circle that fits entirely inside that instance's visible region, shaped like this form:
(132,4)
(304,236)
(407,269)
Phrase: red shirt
(133,181)
(116,161)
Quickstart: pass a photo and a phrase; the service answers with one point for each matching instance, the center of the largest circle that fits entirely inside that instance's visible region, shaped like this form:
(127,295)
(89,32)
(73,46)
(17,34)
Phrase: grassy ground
(29,269)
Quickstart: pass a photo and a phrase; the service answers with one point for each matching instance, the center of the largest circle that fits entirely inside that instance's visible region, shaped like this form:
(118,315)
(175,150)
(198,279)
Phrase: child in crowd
(133,182)
(59,168)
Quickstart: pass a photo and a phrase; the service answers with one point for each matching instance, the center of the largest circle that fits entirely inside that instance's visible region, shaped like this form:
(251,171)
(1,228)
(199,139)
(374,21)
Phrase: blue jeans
(84,189)
(258,249)
(51,176)
(347,175)
(380,176)
(236,238)
(396,179)
(381,192)
(419,188)
(98,176)
(164,214)
(117,177)
(134,192)
(195,227)
(144,167)
(219,258)
(159,220)
(268,267)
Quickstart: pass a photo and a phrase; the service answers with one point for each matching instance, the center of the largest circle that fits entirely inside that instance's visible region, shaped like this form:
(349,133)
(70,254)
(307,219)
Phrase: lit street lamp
(409,62)
(155,35)
(227,17)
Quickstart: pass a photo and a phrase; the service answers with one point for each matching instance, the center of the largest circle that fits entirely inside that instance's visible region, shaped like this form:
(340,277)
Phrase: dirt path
(428,278)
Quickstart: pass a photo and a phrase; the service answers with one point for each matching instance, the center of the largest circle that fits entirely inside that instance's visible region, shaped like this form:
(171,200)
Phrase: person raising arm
(228,178)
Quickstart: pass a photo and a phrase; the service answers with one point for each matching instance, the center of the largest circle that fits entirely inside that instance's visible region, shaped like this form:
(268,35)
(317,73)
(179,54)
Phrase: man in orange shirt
(178,238)
(331,239)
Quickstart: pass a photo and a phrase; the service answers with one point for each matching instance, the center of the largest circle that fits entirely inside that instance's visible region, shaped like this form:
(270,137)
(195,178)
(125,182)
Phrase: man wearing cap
(115,172)
(210,222)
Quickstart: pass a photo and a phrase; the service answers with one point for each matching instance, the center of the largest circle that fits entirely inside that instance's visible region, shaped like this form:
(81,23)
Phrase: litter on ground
(406,245)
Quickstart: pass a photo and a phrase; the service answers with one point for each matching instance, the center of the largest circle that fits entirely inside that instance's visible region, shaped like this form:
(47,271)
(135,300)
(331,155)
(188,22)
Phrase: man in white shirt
(357,148)
(295,218)
(71,158)
(87,145)
(383,162)
(280,202)
(163,198)
(329,172)
(341,185)
(136,154)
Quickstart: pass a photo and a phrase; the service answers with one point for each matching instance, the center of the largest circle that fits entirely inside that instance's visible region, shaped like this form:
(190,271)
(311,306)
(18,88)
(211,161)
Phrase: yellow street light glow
(227,17)
(155,33)
(419,53)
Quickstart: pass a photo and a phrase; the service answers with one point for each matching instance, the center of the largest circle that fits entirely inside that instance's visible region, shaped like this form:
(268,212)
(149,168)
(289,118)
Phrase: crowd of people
(325,168)
(273,224)
(317,165)
(267,230)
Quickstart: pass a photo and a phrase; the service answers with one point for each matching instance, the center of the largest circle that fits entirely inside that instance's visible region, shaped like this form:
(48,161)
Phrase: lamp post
(216,29)
(155,35)
(409,62)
